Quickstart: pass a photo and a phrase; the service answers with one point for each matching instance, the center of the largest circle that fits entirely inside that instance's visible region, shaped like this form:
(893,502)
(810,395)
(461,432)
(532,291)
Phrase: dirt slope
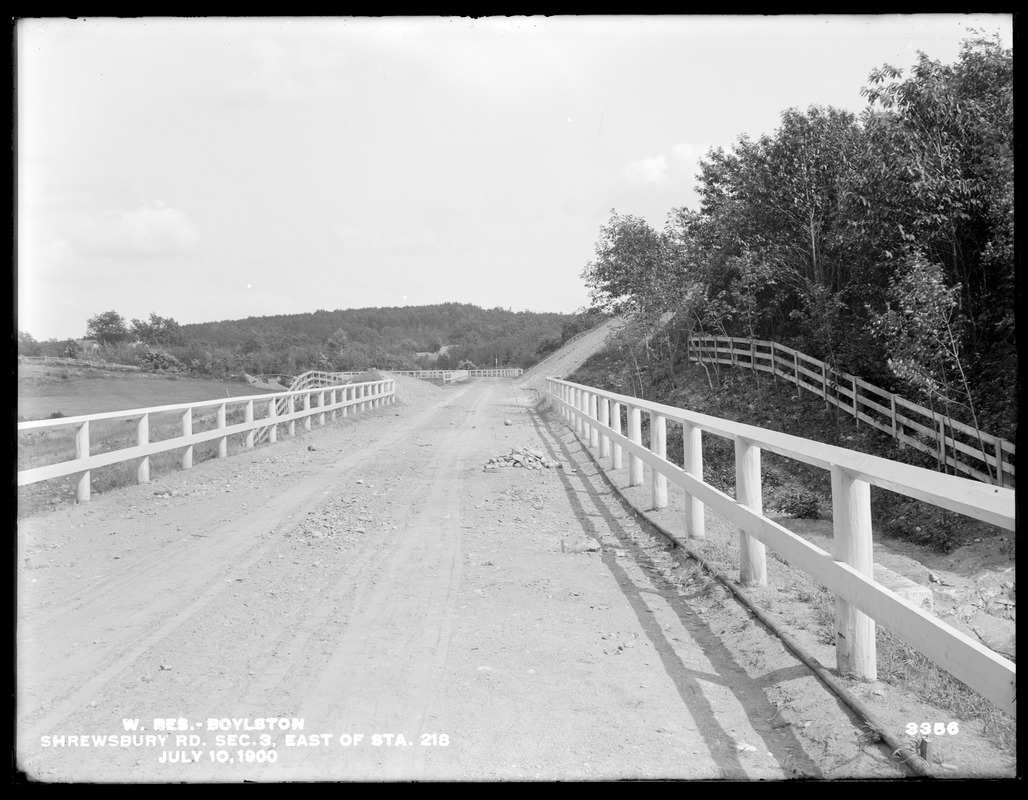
(570,357)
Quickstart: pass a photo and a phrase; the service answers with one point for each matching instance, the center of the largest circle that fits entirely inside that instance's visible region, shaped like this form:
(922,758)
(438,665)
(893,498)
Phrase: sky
(221,168)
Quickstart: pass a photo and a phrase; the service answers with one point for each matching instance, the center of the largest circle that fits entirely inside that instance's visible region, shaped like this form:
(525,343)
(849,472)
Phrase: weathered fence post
(854,631)
(658,446)
(143,438)
(82,484)
(635,464)
(223,441)
(616,458)
(752,555)
(692,452)
(604,424)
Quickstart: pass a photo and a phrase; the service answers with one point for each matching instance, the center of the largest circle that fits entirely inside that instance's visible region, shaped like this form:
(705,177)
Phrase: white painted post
(292,410)
(347,392)
(223,441)
(752,555)
(578,407)
(248,418)
(856,414)
(306,411)
(604,424)
(332,402)
(142,438)
(635,464)
(617,457)
(187,430)
(855,651)
(594,432)
(658,446)
(692,447)
(272,428)
(82,484)
(321,405)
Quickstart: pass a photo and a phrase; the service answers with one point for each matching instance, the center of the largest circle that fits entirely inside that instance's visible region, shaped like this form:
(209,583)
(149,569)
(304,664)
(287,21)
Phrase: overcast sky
(208,169)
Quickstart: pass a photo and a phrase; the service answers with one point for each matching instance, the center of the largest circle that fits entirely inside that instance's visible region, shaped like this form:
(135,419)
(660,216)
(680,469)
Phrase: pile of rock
(523,458)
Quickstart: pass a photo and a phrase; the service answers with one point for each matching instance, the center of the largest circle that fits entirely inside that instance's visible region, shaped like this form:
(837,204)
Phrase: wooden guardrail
(597,418)
(961,447)
(321,402)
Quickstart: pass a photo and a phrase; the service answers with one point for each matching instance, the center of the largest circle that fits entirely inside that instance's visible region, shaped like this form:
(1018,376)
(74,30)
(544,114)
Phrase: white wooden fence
(961,447)
(323,402)
(596,417)
(453,375)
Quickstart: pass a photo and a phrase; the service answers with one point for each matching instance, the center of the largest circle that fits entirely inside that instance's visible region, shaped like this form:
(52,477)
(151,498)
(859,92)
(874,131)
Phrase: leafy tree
(107,328)
(27,345)
(158,331)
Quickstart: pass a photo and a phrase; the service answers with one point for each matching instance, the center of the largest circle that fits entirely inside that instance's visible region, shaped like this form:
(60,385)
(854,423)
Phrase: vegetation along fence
(451,375)
(596,417)
(320,401)
(954,444)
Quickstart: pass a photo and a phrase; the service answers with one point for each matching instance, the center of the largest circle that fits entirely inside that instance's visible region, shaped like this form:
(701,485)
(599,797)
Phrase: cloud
(648,170)
(680,163)
(151,232)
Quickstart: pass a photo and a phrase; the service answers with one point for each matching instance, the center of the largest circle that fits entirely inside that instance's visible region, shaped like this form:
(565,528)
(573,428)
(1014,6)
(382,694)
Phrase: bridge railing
(961,447)
(320,403)
(602,420)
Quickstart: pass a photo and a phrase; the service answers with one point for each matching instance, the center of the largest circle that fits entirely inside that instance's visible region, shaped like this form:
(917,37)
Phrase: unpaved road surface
(503,624)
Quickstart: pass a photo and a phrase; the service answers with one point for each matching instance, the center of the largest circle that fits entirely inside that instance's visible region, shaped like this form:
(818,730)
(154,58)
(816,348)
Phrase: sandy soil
(410,615)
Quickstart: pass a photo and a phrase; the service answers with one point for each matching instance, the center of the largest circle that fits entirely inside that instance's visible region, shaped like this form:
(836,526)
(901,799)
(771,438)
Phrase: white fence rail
(961,447)
(322,403)
(452,375)
(596,417)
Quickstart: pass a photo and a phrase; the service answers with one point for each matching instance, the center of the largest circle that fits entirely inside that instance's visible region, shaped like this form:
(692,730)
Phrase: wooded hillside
(882,244)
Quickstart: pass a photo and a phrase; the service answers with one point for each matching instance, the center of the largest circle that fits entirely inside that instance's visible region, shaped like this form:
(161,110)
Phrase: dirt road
(406,615)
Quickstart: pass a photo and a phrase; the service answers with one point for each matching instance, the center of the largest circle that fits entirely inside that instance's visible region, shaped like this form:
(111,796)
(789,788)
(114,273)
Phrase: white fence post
(292,410)
(616,458)
(692,457)
(604,424)
(272,428)
(594,433)
(635,464)
(82,485)
(347,395)
(752,554)
(855,650)
(306,411)
(658,446)
(248,418)
(577,402)
(223,441)
(321,405)
(187,430)
(142,438)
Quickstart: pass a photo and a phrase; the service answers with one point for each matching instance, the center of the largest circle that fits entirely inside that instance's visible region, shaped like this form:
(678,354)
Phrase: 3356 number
(933,728)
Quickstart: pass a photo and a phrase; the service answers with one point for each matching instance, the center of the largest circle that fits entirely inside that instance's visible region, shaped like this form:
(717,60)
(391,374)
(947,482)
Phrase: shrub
(801,503)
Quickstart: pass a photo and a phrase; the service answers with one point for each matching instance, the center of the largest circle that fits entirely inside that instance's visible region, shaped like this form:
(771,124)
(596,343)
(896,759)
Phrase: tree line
(881,243)
(340,340)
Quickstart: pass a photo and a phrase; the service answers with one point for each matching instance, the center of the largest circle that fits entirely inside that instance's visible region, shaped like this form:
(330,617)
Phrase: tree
(158,331)
(27,345)
(107,328)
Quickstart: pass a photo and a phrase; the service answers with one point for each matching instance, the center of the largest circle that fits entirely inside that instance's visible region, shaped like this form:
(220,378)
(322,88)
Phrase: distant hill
(459,330)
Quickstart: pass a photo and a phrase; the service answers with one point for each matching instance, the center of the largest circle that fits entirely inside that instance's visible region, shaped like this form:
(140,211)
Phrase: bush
(801,503)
